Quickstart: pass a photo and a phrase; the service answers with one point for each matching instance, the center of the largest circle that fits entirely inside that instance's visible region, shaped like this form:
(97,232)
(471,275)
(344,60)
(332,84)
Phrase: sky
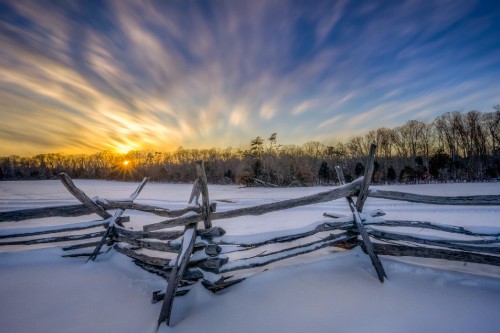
(86,76)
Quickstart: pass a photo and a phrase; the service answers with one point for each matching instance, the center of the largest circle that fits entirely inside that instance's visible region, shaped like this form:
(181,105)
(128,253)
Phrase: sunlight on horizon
(123,148)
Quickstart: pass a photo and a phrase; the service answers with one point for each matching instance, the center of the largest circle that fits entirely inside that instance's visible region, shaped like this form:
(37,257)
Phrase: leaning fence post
(357,218)
(82,197)
(115,220)
(195,193)
(202,178)
(187,246)
(363,192)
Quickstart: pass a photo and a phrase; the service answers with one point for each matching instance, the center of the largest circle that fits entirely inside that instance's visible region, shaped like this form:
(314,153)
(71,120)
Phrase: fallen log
(340,192)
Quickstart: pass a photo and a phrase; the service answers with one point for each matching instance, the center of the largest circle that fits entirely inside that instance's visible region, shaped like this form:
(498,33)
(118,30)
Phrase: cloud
(330,121)
(157,74)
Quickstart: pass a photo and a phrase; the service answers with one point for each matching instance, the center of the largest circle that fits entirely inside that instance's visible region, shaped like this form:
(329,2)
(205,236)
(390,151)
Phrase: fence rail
(194,254)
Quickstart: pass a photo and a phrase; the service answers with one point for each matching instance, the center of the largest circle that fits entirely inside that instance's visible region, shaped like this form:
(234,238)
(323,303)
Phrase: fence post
(377,264)
(178,268)
(82,197)
(367,177)
(202,178)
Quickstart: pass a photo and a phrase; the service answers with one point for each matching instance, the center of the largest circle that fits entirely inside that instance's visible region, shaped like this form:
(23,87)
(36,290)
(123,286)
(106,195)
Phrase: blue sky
(84,76)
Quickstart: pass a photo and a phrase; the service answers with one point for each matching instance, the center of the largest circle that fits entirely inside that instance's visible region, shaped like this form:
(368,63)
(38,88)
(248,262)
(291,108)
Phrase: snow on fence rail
(185,257)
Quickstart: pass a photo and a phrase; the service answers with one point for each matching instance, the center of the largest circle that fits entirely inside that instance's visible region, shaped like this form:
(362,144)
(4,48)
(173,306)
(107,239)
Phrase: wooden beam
(54,239)
(81,245)
(340,192)
(363,192)
(108,232)
(191,275)
(150,245)
(202,180)
(138,190)
(476,200)
(142,257)
(434,226)
(82,197)
(176,274)
(16,233)
(195,193)
(80,209)
(267,258)
(291,236)
(448,243)
(38,213)
(377,264)
(138,234)
(401,250)
(159,211)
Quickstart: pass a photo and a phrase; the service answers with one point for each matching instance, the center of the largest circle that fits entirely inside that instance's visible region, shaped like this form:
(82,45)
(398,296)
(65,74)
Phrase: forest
(453,147)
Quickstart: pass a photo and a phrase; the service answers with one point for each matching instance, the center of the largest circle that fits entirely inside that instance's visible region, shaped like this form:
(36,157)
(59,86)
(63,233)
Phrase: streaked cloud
(83,76)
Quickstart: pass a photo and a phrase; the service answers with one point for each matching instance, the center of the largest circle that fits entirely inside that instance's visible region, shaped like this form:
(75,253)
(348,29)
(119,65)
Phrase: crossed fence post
(188,240)
(98,209)
(358,208)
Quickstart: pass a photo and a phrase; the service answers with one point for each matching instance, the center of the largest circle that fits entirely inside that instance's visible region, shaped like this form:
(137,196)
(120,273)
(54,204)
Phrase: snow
(484,230)
(186,240)
(323,291)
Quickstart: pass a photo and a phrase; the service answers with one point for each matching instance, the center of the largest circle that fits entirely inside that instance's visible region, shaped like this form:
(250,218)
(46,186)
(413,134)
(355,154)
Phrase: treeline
(454,147)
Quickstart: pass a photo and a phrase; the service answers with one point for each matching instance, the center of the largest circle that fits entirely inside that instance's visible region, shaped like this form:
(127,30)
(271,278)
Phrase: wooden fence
(206,255)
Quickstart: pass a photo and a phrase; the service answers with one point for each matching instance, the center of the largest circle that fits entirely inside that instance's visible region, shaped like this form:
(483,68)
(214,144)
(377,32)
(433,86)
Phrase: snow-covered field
(326,291)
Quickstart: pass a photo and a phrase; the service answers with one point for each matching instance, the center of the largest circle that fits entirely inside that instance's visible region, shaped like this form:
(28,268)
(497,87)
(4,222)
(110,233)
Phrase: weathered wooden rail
(207,255)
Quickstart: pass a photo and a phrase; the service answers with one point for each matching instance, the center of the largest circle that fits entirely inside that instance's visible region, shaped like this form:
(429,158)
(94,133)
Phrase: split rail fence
(191,253)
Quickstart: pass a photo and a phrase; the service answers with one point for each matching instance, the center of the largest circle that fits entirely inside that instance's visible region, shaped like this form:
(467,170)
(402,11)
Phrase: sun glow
(123,148)
(125,163)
